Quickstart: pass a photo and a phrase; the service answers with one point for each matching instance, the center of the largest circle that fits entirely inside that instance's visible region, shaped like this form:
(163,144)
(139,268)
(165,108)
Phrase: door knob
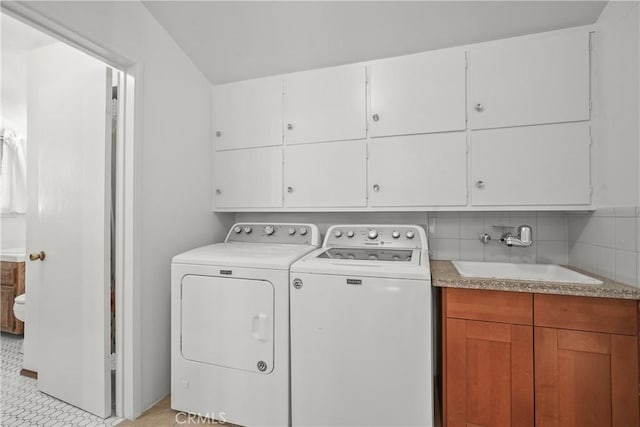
(37,256)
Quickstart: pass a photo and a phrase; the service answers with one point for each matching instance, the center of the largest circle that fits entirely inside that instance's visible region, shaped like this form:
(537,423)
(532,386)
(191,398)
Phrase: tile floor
(21,404)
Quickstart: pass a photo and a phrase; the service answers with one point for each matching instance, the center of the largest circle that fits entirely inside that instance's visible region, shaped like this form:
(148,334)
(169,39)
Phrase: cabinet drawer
(492,306)
(614,316)
(9,271)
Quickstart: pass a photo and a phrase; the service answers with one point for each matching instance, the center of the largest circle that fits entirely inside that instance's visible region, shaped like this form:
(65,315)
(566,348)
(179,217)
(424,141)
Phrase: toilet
(20,307)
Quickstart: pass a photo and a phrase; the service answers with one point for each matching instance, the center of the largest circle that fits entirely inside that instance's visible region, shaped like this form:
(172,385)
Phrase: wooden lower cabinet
(502,369)
(12,285)
(7,319)
(490,374)
(585,379)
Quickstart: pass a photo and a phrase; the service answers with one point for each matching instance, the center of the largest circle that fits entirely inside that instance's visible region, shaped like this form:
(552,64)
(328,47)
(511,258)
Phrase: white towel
(13,174)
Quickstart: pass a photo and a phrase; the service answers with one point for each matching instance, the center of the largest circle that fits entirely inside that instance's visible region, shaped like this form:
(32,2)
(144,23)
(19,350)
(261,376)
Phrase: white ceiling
(239,40)
(19,36)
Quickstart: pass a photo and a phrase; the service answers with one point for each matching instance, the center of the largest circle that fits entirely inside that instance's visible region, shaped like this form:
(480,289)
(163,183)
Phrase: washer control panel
(396,236)
(294,234)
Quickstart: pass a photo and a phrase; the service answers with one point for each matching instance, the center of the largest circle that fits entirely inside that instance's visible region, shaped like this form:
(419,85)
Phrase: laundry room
(421,213)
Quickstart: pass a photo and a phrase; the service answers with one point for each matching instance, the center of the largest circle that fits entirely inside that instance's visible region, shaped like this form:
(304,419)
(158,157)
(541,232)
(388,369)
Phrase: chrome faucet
(523,238)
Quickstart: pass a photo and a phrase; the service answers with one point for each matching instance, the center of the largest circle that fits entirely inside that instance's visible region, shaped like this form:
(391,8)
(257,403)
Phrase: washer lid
(320,262)
(250,255)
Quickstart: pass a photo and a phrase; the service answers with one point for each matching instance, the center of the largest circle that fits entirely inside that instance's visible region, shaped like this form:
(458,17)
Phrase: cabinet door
(326,175)
(489,374)
(418,94)
(585,379)
(249,178)
(6,318)
(326,105)
(534,81)
(534,165)
(248,114)
(418,170)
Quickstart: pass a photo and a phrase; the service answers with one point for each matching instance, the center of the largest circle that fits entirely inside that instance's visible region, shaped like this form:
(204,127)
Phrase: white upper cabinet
(326,105)
(531,165)
(531,81)
(326,175)
(248,178)
(248,114)
(418,94)
(418,170)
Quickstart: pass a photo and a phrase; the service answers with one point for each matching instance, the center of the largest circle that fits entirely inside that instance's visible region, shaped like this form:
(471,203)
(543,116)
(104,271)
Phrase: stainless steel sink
(532,272)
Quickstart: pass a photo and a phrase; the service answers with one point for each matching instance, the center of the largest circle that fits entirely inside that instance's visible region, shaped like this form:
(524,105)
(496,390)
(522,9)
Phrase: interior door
(68,111)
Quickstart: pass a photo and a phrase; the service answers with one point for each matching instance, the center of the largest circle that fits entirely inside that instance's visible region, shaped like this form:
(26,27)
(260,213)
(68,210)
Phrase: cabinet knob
(479,184)
(289,190)
(479,107)
(289,126)
(37,256)
(218,133)
(375,117)
(376,187)
(218,191)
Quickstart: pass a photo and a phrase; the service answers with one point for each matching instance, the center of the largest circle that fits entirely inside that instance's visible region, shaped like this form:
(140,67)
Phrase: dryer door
(228,322)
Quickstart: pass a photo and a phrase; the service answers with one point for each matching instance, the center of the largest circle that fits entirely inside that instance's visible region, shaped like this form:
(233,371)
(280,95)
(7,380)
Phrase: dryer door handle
(260,327)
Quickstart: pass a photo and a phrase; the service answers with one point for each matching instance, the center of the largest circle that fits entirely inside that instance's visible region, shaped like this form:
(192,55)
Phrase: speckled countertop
(445,275)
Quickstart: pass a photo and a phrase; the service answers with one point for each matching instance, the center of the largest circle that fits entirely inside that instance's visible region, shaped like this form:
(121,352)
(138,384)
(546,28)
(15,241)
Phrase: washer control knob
(247,230)
(373,257)
(302,231)
(338,233)
(237,229)
(268,230)
(373,234)
(292,231)
(350,234)
(395,234)
(351,256)
(410,234)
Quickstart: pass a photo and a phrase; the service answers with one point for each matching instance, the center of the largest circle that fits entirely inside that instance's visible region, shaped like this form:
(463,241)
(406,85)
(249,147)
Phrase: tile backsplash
(606,242)
(455,236)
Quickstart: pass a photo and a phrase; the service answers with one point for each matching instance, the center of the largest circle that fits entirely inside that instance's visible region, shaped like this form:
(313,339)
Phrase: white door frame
(128,212)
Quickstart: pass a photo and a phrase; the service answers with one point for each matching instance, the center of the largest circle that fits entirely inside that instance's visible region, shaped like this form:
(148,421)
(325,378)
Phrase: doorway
(71,331)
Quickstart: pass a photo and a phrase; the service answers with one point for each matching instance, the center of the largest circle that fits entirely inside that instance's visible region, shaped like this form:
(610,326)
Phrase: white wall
(14,116)
(615,126)
(176,188)
(13,231)
(607,242)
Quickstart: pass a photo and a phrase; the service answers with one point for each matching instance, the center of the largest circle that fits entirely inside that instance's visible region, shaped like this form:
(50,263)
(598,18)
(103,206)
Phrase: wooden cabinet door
(531,81)
(249,178)
(418,170)
(531,165)
(330,174)
(248,114)
(489,374)
(6,318)
(421,93)
(585,379)
(326,105)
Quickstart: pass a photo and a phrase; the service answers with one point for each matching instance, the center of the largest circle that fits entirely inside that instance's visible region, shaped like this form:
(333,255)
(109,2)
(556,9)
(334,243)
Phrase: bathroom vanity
(537,353)
(12,285)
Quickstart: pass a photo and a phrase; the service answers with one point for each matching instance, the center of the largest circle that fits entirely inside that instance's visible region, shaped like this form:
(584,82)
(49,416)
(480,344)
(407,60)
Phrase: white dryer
(361,329)
(230,324)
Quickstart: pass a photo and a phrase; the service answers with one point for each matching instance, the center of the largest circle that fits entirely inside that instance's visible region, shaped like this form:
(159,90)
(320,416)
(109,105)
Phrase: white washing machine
(230,324)
(361,329)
